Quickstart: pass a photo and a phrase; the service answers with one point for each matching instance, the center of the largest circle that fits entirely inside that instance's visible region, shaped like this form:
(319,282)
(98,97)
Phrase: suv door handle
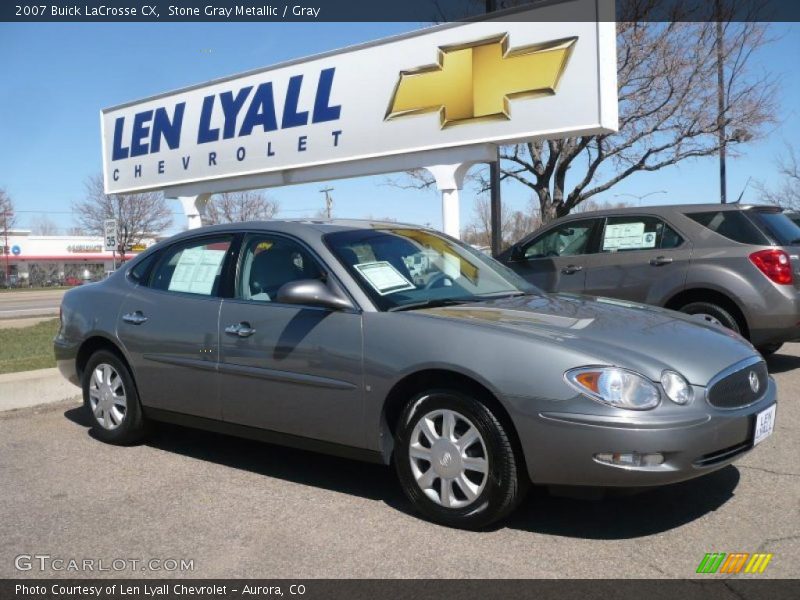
(242,329)
(134,318)
(571,269)
(660,260)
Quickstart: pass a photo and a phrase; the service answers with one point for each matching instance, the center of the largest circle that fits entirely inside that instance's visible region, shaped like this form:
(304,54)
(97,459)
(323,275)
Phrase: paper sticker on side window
(196,271)
(628,236)
(384,278)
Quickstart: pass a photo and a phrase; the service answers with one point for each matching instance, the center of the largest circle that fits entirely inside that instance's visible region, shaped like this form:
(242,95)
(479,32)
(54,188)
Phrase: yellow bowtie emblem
(475,81)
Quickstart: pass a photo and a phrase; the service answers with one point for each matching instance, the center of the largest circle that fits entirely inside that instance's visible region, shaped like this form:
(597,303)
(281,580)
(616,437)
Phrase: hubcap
(708,318)
(107,396)
(448,458)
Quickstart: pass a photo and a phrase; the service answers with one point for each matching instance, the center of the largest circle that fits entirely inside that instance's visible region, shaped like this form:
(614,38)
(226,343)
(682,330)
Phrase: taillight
(775,264)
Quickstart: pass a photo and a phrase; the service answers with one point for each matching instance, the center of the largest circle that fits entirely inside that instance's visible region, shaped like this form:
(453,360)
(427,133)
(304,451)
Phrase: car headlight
(676,387)
(614,386)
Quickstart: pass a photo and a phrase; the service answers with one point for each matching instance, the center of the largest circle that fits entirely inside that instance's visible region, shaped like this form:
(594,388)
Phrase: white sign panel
(450,86)
(110,234)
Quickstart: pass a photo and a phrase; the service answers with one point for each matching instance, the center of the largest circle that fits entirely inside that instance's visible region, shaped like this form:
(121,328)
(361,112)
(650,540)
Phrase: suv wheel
(769,349)
(111,399)
(455,461)
(712,313)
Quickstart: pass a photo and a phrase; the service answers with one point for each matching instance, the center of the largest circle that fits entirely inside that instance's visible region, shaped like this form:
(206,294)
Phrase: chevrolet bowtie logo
(475,81)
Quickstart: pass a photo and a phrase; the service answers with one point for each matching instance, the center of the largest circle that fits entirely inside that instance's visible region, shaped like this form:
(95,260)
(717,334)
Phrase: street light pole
(6,249)
(723,184)
(494,184)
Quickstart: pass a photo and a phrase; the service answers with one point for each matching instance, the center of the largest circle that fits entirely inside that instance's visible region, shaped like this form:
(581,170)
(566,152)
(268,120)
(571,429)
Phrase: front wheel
(456,462)
(769,349)
(111,399)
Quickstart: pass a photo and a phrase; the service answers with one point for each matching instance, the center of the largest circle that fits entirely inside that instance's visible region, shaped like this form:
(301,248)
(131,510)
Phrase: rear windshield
(732,224)
(777,226)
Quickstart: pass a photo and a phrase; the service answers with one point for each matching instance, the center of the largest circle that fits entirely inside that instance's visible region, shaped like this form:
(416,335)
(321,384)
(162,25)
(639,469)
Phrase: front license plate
(765,423)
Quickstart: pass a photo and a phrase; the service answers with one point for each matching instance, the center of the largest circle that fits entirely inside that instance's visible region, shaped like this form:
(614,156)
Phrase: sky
(57,77)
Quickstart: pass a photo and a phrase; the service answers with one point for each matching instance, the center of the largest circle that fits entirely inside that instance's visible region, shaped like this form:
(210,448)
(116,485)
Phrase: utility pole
(494,183)
(723,184)
(328,201)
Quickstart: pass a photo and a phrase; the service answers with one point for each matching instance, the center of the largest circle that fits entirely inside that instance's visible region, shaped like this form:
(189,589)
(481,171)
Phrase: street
(243,509)
(23,303)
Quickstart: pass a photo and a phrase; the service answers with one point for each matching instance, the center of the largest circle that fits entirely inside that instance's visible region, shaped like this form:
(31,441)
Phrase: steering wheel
(438,280)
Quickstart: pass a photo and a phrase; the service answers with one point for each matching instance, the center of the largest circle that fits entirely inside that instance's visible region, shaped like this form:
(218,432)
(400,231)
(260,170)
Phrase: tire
(714,314)
(769,349)
(110,423)
(463,497)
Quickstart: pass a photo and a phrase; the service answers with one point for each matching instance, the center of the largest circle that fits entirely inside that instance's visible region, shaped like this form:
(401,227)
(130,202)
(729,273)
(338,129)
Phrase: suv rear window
(778,226)
(732,224)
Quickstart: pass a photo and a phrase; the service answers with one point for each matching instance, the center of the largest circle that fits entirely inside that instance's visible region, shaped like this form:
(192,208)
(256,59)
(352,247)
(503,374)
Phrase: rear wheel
(769,349)
(712,313)
(111,399)
(456,462)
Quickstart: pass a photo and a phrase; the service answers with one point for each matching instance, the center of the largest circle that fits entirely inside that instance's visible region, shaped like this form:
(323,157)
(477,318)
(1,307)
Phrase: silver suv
(730,264)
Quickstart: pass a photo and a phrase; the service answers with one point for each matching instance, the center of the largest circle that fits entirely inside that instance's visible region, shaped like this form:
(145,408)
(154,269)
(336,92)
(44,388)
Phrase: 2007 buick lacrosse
(397,344)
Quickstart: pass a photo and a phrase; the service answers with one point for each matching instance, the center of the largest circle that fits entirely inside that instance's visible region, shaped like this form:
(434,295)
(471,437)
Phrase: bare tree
(236,207)
(787,192)
(7,216)
(43,225)
(668,110)
(138,216)
(516,224)
(75,231)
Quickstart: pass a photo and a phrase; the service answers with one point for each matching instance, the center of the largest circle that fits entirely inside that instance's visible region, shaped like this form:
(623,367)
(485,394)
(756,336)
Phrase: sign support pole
(194,207)
(449,181)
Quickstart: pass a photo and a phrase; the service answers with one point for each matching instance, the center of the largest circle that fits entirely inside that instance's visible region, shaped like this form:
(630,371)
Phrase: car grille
(735,390)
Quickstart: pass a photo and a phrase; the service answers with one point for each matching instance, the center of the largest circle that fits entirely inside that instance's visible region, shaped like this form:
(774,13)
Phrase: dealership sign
(455,85)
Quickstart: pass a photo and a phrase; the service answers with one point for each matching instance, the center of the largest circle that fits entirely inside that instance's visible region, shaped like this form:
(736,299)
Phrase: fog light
(630,459)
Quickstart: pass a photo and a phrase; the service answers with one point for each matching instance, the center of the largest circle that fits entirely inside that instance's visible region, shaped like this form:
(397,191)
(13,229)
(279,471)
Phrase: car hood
(607,331)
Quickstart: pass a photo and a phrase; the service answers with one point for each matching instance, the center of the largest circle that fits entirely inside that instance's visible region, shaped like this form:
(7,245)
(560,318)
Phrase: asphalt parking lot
(244,509)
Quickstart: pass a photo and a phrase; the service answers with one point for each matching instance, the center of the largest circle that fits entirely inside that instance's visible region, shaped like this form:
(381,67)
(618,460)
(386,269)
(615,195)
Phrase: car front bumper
(560,447)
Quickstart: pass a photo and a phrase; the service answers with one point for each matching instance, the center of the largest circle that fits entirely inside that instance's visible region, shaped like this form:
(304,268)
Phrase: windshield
(405,268)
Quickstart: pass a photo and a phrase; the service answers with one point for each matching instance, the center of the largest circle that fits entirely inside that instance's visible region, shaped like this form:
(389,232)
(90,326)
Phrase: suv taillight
(775,264)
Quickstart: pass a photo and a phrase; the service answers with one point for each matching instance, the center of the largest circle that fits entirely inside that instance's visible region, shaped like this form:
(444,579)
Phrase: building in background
(48,260)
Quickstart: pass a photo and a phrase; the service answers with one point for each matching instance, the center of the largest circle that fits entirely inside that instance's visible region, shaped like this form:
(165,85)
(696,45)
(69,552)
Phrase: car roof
(296,226)
(666,209)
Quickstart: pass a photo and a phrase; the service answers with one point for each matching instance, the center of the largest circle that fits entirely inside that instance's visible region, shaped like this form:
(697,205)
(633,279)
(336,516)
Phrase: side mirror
(514,253)
(311,292)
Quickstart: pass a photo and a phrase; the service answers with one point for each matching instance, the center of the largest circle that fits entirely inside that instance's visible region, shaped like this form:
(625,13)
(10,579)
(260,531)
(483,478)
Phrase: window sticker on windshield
(196,271)
(628,236)
(384,278)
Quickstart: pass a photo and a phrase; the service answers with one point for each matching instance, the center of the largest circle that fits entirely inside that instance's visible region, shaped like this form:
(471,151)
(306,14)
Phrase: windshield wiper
(502,295)
(432,303)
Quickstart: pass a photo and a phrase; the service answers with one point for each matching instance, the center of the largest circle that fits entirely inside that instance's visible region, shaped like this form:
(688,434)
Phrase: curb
(33,388)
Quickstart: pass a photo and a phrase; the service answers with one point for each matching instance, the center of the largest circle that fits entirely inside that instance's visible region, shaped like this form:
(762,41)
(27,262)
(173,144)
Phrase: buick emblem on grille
(754,383)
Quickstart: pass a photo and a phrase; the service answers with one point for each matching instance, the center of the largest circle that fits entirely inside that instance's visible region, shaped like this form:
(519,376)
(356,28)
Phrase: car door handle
(134,318)
(660,260)
(242,329)
(571,269)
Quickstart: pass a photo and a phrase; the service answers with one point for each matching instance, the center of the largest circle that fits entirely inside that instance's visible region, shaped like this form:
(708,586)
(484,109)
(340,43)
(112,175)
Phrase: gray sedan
(396,344)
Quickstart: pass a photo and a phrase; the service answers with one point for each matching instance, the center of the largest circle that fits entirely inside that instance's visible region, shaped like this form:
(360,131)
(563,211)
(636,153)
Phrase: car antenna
(744,189)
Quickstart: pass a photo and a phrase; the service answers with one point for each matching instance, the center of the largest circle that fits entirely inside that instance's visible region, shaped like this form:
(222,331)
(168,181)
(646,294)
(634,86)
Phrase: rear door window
(193,267)
(624,234)
(732,224)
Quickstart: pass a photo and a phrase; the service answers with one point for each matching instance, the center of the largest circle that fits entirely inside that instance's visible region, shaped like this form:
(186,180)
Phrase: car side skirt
(265,435)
